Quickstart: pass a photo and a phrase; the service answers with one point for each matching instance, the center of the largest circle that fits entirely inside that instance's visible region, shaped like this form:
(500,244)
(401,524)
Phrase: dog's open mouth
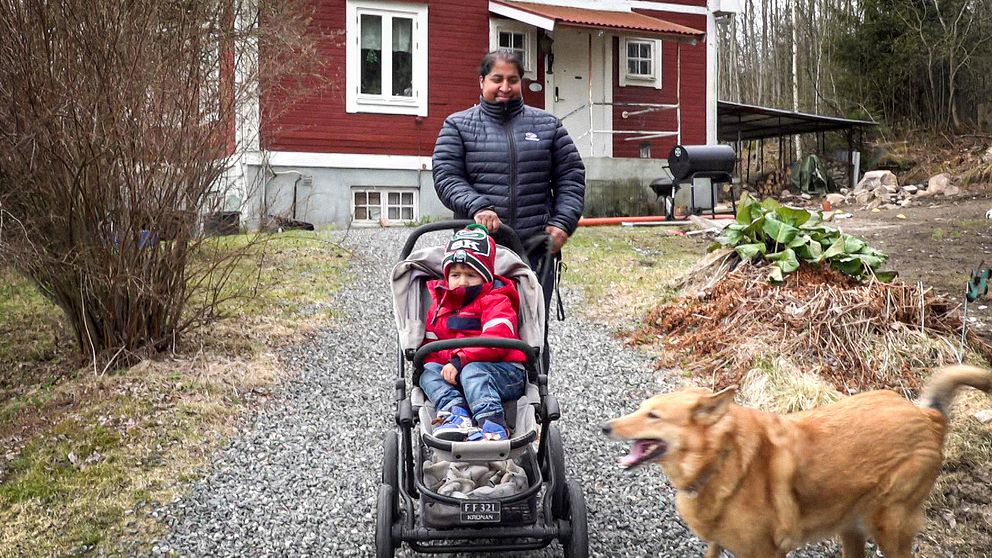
(643,451)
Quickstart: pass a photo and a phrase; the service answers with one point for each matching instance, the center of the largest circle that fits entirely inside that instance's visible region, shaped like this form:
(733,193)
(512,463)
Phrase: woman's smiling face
(502,83)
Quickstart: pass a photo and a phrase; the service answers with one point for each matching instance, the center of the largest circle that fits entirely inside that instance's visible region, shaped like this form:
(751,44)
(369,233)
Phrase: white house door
(568,88)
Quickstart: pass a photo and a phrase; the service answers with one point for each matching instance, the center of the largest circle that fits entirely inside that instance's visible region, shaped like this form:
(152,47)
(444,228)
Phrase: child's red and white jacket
(488,310)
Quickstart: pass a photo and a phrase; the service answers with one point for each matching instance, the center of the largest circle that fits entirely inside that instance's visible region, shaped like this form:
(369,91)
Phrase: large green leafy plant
(785,236)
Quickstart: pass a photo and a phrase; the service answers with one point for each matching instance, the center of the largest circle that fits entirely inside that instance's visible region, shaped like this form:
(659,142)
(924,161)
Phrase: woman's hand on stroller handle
(558,237)
(488,218)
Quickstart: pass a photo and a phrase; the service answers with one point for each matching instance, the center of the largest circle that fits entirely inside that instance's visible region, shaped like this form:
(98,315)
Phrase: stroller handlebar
(493,342)
(504,236)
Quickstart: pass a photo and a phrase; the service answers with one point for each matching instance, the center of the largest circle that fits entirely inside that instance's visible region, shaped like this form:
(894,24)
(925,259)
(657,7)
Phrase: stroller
(544,505)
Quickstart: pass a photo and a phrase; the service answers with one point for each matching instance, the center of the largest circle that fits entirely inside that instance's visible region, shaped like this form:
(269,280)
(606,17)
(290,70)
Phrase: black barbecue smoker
(689,162)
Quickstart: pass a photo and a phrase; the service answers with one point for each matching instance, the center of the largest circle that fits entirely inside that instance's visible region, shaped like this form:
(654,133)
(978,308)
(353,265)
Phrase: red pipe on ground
(597,221)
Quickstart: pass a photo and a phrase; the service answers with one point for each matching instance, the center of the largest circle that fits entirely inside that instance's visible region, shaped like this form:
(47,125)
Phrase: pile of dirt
(918,156)
(857,336)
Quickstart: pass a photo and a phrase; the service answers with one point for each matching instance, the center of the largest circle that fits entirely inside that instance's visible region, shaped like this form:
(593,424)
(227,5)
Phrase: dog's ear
(711,408)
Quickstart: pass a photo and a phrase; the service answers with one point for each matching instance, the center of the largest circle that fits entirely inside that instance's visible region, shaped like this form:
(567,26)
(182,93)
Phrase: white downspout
(247,75)
(712,76)
(247,109)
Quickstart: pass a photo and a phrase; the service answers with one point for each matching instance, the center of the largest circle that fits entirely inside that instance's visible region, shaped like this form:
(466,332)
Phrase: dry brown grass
(112,444)
(626,271)
(959,514)
(84,455)
(780,387)
(820,336)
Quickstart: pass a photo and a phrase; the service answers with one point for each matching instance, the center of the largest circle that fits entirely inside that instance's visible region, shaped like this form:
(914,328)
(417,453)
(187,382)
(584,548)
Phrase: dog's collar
(697,485)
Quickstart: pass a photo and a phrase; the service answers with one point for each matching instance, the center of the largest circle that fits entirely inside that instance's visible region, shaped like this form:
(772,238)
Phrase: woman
(501,161)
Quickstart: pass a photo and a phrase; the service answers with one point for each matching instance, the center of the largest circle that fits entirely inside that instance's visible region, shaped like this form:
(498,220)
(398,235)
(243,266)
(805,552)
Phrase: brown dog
(761,484)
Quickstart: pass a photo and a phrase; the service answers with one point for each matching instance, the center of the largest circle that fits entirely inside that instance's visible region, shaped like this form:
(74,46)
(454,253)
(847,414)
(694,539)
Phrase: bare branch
(116,132)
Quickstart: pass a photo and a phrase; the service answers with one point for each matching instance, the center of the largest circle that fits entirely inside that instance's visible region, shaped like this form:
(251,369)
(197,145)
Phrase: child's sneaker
(455,425)
(491,430)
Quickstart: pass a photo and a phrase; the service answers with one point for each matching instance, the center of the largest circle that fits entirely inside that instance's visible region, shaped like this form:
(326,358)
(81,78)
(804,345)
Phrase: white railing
(639,109)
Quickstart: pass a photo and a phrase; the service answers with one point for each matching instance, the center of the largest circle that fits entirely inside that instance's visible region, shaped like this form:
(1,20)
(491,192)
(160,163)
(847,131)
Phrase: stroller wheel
(390,460)
(556,462)
(384,523)
(577,545)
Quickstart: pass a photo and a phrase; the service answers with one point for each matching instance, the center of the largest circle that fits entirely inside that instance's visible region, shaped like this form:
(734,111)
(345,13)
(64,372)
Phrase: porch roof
(545,17)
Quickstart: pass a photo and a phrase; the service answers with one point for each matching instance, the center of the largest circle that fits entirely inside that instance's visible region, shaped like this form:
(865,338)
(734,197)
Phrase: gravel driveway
(301,479)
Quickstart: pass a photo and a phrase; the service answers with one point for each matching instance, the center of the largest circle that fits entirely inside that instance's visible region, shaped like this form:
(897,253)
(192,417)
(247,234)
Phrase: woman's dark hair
(504,54)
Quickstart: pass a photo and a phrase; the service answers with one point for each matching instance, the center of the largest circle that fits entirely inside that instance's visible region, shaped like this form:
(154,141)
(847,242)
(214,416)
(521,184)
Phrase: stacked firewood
(772,183)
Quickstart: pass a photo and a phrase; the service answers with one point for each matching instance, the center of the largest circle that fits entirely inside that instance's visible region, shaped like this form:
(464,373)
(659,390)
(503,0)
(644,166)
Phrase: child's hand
(450,374)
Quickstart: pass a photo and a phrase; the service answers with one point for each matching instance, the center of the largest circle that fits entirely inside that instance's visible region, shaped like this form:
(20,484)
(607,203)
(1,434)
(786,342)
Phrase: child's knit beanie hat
(474,247)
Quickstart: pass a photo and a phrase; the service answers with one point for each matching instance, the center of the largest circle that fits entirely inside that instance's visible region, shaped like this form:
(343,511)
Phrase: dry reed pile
(856,335)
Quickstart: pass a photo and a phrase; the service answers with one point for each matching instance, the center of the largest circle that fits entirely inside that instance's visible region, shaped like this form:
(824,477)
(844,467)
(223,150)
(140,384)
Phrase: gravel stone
(301,478)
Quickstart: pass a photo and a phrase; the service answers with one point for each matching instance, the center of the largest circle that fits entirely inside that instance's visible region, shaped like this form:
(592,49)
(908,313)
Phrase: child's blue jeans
(484,385)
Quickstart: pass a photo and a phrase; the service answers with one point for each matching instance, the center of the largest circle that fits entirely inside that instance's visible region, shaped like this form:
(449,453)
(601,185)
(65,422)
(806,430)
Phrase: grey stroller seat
(411,301)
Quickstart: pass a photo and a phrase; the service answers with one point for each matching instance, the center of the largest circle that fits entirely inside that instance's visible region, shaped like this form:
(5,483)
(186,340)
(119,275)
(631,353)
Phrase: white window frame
(654,80)
(384,204)
(386,103)
(496,26)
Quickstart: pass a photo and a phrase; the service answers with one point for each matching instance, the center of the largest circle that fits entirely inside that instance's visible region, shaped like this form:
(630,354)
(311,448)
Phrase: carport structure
(738,123)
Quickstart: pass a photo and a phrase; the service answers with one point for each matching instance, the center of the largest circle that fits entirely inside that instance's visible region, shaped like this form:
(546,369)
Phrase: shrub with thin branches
(116,131)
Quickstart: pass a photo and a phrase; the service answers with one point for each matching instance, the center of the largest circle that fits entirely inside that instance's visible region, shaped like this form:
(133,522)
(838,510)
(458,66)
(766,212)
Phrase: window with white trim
(397,205)
(386,57)
(511,40)
(640,62)
(518,37)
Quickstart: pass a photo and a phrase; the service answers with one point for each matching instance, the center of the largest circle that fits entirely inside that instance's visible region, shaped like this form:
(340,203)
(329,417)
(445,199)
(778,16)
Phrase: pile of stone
(881,189)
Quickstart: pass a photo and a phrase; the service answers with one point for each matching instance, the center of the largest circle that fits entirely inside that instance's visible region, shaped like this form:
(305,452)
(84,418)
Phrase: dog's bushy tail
(945,382)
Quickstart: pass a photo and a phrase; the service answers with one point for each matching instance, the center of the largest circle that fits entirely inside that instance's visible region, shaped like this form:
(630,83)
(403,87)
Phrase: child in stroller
(471,301)
(531,511)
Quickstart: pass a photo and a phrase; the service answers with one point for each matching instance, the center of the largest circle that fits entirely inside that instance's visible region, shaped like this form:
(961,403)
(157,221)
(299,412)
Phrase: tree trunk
(795,76)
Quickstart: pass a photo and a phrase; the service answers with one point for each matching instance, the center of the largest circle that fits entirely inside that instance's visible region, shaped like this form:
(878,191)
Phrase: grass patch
(25,311)
(625,271)
(959,513)
(973,223)
(125,445)
(35,345)
(84,455)
(939,235)
(776,385)
(283,275)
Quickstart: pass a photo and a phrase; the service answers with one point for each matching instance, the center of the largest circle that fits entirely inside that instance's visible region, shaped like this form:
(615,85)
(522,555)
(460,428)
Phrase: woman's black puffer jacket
(514,159)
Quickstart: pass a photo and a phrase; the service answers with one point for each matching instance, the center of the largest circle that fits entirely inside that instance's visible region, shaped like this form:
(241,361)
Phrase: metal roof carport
(738,122)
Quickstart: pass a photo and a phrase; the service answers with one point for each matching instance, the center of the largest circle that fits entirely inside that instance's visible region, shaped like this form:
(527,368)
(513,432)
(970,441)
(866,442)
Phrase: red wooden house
(629,79)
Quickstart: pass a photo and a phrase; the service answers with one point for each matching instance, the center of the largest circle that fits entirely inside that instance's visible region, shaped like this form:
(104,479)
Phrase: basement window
(370,205)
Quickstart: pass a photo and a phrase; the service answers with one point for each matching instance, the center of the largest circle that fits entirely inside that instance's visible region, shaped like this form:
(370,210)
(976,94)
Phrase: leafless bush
(116,134)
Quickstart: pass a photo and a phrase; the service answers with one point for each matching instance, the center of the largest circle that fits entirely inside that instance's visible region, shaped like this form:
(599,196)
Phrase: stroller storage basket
(439,511)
